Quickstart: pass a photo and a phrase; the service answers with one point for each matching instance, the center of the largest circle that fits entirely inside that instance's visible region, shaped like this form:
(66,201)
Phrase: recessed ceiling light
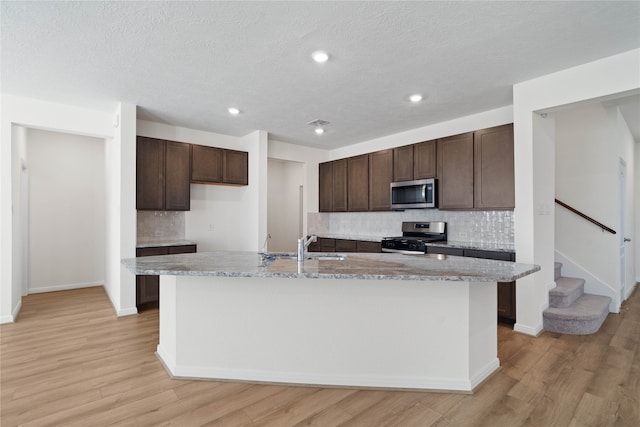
(415,98)
(233,111)
(319,131)
(320,56)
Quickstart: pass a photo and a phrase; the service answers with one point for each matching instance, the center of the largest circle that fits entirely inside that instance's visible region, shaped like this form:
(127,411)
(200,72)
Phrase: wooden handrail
(588,218)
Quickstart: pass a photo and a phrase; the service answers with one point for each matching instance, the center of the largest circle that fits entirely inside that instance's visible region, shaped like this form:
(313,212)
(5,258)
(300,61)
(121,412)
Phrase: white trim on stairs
(592,284)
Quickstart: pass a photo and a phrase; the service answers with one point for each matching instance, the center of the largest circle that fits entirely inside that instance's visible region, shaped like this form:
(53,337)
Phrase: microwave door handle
(424,193)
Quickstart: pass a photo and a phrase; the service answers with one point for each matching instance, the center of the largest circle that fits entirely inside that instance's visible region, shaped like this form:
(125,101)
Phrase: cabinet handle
(626,239)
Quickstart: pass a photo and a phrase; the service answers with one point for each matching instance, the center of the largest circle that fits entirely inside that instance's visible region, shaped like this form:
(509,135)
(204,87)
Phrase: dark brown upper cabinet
(455,172)
(380,178)
(162,174)
(476,170)
(211,165)
(358,183)
(424,160)
(235,167)
(403,163)
(416,161)
(325,180)
(177,174)
(206,164)
(340,185)
(494,170)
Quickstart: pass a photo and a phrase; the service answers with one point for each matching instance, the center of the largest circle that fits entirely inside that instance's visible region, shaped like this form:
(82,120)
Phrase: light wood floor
(69,361)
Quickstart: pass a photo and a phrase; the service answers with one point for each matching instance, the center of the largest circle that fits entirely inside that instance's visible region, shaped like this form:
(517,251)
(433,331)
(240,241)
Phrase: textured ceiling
(184,63)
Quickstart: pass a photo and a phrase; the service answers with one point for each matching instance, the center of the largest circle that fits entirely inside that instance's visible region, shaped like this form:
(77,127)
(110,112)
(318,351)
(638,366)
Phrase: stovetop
(415,236)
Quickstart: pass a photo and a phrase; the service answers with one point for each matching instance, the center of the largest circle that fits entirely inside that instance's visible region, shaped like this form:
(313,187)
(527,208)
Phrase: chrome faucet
(304,244)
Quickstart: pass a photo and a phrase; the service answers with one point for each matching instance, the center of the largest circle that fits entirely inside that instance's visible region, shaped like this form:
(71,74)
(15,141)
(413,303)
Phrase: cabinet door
(327,244)
(380,177)
(497,255)
(371,247)
(206,164)
(152,251)
(424,160)
(455,172)
(507,301)
(150,162)
(177,176)
(343,245)
(403,163)
(340,185)
(494,179)
(147,289)
(235,167)
(325,190)
(358,183)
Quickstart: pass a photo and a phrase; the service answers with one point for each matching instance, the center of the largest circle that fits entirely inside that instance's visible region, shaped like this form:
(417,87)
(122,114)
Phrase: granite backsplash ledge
(495,227)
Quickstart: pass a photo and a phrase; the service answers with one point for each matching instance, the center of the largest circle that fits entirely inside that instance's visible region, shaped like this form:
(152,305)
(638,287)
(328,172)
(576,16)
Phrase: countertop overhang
(355,266)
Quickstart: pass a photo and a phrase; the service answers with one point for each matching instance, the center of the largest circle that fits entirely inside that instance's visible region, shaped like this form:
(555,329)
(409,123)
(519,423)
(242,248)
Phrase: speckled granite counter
(370,320)
(354,266)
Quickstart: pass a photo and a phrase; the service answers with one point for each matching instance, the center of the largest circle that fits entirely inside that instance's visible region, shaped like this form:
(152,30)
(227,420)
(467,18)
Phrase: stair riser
(563,301)
(574,327)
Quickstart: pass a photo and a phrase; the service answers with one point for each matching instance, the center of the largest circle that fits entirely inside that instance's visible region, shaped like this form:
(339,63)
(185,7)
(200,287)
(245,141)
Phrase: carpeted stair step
(567,290)
(557,270)
(584,316)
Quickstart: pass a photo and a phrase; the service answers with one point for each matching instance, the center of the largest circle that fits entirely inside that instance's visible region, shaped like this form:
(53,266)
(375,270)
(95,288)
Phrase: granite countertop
(150,243)
(354,266)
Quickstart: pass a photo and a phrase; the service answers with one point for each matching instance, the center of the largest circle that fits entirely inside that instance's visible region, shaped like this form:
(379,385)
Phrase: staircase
(571,311)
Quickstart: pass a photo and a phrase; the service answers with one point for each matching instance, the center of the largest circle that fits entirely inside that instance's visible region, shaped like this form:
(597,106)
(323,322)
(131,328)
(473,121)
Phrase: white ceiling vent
(318,123)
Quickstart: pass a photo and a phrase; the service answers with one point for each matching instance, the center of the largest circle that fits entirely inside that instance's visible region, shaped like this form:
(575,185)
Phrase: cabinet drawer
(497,255)
(160,250)
(184,249)
(445,251)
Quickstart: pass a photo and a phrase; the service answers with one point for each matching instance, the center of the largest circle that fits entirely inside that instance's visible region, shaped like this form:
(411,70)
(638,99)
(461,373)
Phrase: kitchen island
(368,320)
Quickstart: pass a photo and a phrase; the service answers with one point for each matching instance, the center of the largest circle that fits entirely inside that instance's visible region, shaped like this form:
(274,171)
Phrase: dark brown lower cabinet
(325,244)
(506,290)
(148,286)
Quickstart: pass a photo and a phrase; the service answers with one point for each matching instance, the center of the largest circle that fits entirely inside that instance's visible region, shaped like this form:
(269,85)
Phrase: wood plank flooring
(68,361)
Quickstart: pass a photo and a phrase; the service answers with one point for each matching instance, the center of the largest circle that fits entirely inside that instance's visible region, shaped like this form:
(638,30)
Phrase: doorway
(285,204)
(63,211)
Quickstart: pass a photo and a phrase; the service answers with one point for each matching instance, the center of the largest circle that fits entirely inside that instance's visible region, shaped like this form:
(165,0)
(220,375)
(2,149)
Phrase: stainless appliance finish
(415,236)
(416,194)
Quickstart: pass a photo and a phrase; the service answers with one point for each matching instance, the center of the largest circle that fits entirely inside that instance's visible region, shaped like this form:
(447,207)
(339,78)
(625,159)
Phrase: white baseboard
(529,330)
(14,314)
(309,378)
(127,311)
(64,287)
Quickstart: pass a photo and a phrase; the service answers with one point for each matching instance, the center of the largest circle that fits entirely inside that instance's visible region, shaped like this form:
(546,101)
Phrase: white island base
(409,334)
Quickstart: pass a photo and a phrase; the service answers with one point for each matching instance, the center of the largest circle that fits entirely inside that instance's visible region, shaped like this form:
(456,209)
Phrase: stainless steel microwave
(417,194)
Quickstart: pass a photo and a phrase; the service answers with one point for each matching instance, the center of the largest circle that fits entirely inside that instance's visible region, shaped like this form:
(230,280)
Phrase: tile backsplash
(462,226)
(161,225)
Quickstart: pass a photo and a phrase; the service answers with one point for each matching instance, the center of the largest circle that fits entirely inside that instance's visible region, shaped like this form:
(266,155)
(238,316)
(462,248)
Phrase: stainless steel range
(415,236)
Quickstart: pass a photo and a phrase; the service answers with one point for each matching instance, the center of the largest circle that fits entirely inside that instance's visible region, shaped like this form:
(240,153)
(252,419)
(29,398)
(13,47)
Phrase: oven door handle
(401,251)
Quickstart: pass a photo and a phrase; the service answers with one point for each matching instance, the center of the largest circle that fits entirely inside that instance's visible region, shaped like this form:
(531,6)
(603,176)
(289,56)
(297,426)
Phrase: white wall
(309,158)
(589,142)
(486,119)
(637,207)
(20,202)
(283,212)
(67,210)
(37,114)
(613,76)
(223,217)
